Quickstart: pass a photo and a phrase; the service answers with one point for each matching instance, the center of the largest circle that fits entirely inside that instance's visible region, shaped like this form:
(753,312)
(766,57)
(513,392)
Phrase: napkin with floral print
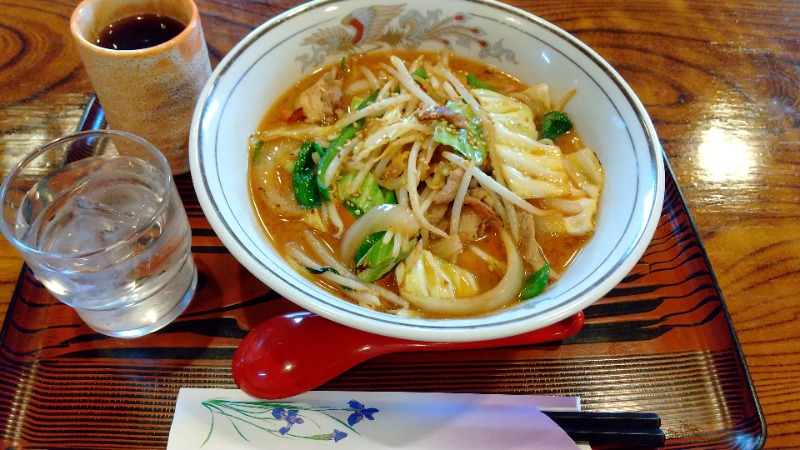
(222,419)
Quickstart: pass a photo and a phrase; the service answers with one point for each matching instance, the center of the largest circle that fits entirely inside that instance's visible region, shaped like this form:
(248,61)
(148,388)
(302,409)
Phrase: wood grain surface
(719,78)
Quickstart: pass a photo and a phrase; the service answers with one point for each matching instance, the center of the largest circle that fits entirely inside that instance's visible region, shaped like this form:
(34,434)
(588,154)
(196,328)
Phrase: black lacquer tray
(661,341)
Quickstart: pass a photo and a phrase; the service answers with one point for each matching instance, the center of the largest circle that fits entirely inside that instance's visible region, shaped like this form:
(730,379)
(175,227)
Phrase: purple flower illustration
(338,435)
(335,436)
(279,420)
(289,416)
(360,412)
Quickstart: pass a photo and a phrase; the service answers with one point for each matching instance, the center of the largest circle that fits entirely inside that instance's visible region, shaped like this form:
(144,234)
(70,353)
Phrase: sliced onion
(278,198)
(395,218)
(446,248)
(302,261)
(503,293)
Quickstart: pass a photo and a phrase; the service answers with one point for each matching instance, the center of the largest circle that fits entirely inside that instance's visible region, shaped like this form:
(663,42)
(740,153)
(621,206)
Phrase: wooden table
(720,80)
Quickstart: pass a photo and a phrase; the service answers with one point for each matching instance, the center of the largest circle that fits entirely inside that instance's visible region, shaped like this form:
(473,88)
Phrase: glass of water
(97,217)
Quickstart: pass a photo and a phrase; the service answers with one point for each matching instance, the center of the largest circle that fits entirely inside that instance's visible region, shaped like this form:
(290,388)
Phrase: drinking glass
(97,217)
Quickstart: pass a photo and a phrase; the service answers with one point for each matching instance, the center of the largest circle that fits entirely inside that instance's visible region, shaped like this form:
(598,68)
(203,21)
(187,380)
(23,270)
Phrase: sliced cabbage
(467,141)
(578,209)
(539,99)
(358,199)
(425,274)
(575,216)
(582,224)
(532,169)
(585,171)
(421,289)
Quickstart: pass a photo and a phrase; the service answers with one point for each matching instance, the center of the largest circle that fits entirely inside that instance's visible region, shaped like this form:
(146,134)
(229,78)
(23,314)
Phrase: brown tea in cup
(139,31)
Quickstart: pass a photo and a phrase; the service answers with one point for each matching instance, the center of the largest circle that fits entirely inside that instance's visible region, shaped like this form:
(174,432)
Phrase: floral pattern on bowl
(373,27)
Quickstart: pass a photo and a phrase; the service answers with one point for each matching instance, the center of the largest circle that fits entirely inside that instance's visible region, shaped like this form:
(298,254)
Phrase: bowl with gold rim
(457,172)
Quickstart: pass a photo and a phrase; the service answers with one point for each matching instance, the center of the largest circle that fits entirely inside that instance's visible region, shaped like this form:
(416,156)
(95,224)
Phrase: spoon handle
(294,353)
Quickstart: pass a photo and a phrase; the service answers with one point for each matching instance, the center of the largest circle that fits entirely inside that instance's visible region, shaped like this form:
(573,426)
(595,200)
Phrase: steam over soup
(424,184)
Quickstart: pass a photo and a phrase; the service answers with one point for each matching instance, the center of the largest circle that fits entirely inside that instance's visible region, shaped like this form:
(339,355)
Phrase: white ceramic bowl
(605,110)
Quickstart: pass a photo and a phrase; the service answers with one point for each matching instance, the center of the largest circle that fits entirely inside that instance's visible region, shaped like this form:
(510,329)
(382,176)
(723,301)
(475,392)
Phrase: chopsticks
(634,429)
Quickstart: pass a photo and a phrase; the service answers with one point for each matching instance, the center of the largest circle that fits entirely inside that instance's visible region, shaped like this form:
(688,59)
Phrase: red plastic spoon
(295,353)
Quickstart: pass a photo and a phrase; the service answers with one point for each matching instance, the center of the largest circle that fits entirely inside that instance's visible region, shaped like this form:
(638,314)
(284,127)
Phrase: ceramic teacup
(150,92)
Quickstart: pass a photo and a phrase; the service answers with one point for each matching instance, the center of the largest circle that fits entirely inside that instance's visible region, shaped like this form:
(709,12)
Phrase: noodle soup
(424,184)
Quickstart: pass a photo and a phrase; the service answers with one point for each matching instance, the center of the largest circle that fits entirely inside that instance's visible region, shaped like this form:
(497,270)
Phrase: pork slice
(471,225)
(483,210)
(527,236)
(322,98)
(443,113)
(448,192)
(437,215)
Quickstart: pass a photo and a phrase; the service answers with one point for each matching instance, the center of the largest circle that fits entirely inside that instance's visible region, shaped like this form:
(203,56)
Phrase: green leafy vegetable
(554,124)
(304,180)
(535,283)
(377,261)
(476,82)
(347,133)
(467,141)
(367,101)
(367,196)
(367,244)
(373,258)
(420,73)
